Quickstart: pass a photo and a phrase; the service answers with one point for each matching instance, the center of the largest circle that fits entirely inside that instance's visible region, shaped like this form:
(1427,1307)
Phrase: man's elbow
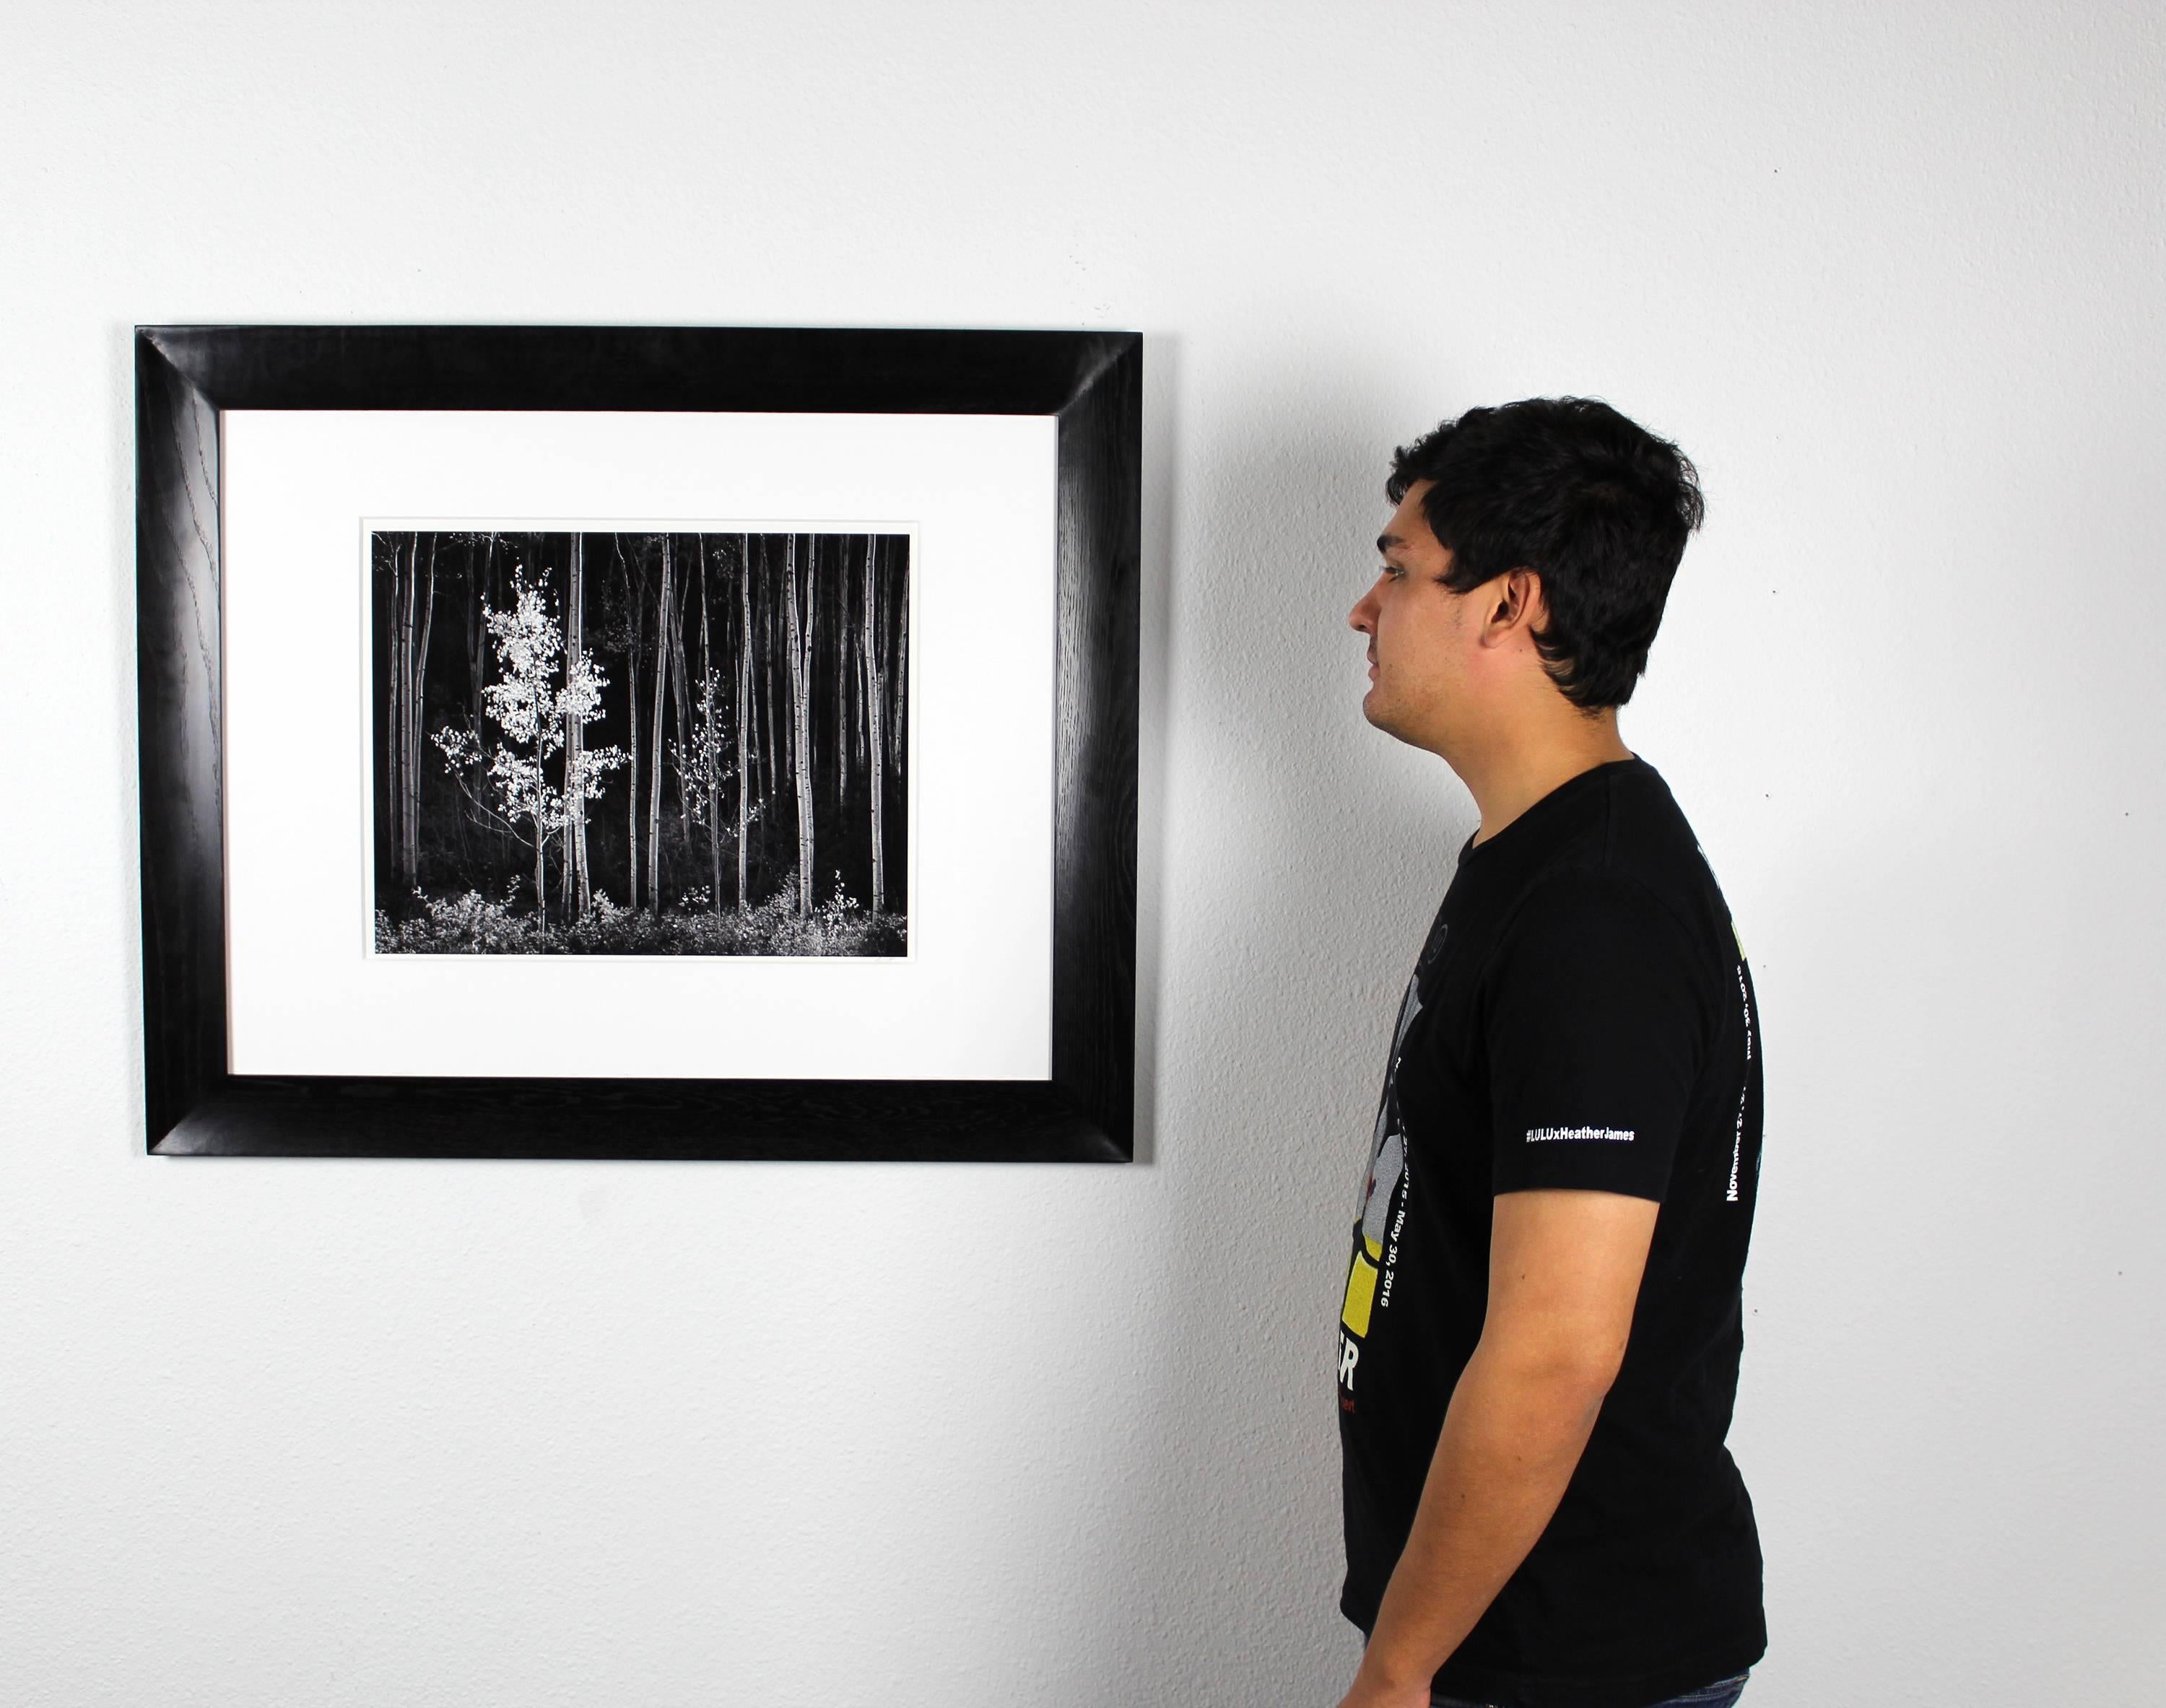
(1572,1372)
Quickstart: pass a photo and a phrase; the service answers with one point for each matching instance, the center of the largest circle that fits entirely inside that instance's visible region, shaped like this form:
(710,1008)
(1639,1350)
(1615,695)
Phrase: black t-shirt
(1580,1015)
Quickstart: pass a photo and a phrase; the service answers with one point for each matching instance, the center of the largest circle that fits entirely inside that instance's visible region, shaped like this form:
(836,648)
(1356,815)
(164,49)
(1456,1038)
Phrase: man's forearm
(1511,1435)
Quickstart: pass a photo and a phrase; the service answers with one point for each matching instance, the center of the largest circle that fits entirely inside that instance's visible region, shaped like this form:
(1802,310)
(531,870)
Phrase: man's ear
(1514,601)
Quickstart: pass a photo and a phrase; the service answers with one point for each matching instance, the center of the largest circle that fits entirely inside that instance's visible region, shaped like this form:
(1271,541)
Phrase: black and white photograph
(641,741)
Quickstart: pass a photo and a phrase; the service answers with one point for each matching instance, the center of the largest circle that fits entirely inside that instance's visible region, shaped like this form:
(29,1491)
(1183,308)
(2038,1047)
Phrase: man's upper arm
(1564,1275)
(1598,1025)
(1598,1017)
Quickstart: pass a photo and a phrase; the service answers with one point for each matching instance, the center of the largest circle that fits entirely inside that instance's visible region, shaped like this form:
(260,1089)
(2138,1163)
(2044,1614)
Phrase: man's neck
(1509,776)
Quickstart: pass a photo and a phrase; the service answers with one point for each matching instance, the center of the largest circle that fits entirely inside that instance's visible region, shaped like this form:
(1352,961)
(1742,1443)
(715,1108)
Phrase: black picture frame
(1090,381)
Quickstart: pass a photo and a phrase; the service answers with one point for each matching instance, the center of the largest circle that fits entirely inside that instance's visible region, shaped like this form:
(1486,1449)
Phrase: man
(1539,1334)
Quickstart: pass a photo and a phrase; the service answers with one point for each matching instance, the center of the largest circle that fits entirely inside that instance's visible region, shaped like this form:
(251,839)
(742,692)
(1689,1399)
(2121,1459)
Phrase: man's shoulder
(1645,844)
(1634,871)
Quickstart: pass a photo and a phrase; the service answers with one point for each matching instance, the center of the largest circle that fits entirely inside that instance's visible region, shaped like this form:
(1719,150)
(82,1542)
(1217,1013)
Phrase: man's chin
(1382,715)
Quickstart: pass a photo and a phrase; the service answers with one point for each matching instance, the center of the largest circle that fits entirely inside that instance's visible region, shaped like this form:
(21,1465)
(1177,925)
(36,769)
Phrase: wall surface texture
(359,1434)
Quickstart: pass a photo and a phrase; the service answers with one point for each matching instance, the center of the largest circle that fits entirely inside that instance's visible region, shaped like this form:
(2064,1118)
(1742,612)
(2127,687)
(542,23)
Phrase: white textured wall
(329,1433)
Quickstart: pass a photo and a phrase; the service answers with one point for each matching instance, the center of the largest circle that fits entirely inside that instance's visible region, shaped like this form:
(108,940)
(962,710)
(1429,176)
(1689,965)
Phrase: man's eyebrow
(1385,542)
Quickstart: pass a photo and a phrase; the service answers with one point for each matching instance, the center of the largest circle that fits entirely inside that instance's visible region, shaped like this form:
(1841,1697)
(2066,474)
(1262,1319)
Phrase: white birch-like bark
(402,746)
(769,712)
(416,710)
(540,831)
(578,877)
(707,743)
(402,686)
(875,691)
(899,672)
(680,683)
(744,701)
(800,706)
(631,691)
(394,746)
(478,628)
(661,607)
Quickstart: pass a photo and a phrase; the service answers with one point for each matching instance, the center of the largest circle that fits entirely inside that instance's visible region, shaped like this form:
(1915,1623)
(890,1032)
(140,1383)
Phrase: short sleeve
(1598,1024)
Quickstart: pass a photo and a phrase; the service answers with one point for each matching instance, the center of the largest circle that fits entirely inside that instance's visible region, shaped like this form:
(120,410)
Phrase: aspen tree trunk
(769,694)
(408,717)
(568,874)
(680,684)
(663,603)
(477,630)
(540,836)
(899,665)
(541,872)
(413,713)
(462,821)
(392,746)
(390,779)
(800,708)
(811,710)
(707,743)
(744,698)
(575,740)
(402,681)
(417,712)
(875,690)
(402,685)
(481,584)
(850,667)
(632,689)
(842,674)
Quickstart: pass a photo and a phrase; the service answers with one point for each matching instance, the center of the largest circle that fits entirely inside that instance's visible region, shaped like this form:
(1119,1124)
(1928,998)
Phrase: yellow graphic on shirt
(1361,1295)
(1388,1166)
(1386,1170)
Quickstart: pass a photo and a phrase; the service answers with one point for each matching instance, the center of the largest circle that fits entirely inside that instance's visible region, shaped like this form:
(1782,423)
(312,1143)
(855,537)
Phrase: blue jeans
(1721,1694)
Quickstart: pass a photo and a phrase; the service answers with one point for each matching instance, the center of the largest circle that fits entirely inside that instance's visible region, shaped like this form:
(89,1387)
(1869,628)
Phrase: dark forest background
(638,743)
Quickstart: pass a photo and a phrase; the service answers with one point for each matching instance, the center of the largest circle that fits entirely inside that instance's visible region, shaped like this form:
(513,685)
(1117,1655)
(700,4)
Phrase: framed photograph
(638,741)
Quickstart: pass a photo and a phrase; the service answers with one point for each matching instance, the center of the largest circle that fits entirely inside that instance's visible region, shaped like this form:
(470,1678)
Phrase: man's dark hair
(1595,505)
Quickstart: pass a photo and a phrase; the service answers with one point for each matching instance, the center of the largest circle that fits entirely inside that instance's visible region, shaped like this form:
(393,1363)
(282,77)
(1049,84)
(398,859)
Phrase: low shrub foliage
(472,924)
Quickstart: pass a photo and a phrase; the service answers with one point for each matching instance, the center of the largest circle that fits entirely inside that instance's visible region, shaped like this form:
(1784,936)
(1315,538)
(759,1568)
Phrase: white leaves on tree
(533,709)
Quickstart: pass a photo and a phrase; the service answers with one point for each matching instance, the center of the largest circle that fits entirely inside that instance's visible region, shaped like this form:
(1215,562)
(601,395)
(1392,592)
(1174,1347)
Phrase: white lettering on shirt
(1615,1135)
(1737,1138)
